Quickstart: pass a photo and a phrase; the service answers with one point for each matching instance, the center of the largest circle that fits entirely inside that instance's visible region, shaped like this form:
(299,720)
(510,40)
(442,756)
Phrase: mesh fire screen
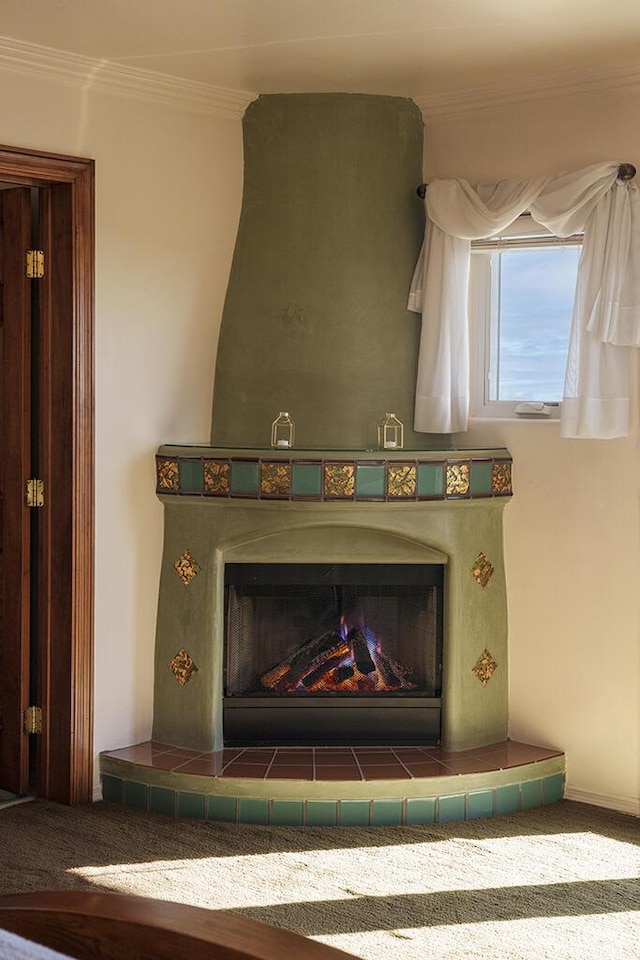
(333,629)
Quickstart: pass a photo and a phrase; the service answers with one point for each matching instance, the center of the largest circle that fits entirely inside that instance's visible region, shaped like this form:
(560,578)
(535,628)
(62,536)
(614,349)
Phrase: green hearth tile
(322,813)
(162,800)
(222,808)
(430,480)
(253,810)
(355,813)
(136,795)
(191,480)
(387,813)
(451,808)
(481,478)
(287,813)
(531,794)
(421,810)
(480,804)
(507,798)
(112,789)
(191,805)
(244,477)
(370,481)
(553,788)
(307,479)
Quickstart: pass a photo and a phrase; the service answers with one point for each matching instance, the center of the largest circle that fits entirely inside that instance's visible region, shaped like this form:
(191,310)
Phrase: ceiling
(413,48)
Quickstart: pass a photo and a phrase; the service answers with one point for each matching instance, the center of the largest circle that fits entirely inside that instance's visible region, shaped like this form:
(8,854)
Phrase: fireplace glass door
(332,653)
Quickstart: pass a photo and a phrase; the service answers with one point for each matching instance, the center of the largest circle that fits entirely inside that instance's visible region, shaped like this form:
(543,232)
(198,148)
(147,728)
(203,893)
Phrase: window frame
(523,234)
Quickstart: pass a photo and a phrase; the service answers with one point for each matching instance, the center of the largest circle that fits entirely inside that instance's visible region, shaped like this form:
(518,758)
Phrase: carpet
(557,882)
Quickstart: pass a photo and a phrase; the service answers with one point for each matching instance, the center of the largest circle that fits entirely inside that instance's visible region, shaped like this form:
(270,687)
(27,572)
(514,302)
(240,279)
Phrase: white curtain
(606,317)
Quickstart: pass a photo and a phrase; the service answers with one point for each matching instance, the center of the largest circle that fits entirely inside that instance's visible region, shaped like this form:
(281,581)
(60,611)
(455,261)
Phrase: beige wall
(572,530)
(168,188)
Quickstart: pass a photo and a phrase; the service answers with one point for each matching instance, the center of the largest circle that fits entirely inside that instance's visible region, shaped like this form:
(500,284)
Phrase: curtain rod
(626,171)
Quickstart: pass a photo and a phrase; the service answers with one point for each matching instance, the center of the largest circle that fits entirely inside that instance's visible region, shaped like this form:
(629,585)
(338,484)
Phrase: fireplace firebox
(332,653)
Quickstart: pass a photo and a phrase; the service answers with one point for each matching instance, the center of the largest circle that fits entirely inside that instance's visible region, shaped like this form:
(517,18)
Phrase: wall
(168,188)
(572,530)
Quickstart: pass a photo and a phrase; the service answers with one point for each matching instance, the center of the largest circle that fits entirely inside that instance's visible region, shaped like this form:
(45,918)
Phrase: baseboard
(623,804)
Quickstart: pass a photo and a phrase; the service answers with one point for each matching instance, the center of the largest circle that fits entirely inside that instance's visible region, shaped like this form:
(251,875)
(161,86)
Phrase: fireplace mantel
(248,505)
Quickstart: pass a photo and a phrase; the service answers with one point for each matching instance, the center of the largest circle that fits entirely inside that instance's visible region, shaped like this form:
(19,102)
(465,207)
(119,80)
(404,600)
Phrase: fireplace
(332,653)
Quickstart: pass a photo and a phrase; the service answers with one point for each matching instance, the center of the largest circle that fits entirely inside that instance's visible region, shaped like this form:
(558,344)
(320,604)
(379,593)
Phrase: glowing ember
(345,660)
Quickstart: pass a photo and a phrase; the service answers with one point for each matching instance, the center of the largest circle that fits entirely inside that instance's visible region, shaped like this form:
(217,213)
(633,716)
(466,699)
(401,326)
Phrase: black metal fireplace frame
(326,719)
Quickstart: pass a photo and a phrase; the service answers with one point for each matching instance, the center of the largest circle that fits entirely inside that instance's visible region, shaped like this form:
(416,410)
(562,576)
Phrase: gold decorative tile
(217,477)
(339,479)
(168,475)
(482,570)
(501,478)
(182,667)
(457,479)
(485,667)
(275,479)
(401,480)
(186,567)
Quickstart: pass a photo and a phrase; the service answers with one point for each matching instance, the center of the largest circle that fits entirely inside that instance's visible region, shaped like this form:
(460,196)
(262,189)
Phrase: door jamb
(70,744)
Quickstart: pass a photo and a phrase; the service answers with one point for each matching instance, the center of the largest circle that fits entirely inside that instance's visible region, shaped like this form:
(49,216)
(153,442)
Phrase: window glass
(532,316)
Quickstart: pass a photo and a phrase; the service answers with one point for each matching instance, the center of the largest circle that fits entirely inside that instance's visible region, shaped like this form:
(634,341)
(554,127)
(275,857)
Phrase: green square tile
(355,813)
(480,804)
(531,794)
(191,805)
(191,479)
(244,477)
(421,810)
(430,480)
(322,813)
(287,813)
(553,788)
(136,795)
(112,789)
(307,480)
(481,478)
(387,813)
(253,810)
(162,800)
(222,808)
(370,481)
(507,798)
(451,808)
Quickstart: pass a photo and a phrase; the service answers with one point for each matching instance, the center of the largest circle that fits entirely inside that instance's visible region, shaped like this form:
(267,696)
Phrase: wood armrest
(122,927)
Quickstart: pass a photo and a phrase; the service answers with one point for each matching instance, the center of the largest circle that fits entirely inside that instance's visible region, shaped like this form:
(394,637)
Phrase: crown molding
(107,77)
(576,83)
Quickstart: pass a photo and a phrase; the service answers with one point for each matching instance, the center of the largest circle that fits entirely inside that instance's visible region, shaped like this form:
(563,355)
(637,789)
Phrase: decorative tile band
(484,802)
(332,481)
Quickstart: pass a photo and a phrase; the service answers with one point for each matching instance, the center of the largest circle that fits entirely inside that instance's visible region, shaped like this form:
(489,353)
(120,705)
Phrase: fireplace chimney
(315,320)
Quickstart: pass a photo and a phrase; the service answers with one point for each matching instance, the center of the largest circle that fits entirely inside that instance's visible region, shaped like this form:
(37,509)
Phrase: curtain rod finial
(626,171)
(422,191)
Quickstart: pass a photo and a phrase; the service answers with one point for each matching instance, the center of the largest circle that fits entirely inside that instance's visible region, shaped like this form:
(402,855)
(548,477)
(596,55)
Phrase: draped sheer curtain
(606,315)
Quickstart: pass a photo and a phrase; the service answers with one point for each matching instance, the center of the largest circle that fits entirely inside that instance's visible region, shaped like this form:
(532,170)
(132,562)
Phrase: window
(521,303)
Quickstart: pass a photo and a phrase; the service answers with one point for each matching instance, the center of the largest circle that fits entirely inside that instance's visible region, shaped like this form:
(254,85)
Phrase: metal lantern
(390,433)
(282,430)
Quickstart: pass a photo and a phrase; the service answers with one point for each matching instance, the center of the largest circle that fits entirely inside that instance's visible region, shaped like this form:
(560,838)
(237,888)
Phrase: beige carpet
(560,882)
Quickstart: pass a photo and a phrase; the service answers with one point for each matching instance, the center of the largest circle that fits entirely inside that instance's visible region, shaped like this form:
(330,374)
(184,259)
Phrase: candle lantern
(390,433)
(282,430)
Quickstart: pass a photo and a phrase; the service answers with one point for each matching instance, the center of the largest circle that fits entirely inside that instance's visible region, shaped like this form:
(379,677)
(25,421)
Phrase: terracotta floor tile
(468,765)
(254,771)
(203,766)
(282,771)
(385,772)
(427,769)
(338,773)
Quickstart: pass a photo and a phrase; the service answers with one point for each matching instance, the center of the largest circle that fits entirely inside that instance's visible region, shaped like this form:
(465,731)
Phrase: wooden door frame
(65,754)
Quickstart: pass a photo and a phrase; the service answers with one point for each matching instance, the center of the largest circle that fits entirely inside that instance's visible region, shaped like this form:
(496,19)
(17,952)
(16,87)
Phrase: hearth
(332,653)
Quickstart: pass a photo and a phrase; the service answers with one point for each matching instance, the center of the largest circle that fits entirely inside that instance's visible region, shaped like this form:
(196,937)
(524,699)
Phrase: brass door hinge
(34,493)
(34,264)
(32,720)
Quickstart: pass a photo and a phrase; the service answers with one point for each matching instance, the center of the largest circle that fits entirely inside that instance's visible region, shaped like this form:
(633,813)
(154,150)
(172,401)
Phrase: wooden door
(15,518)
